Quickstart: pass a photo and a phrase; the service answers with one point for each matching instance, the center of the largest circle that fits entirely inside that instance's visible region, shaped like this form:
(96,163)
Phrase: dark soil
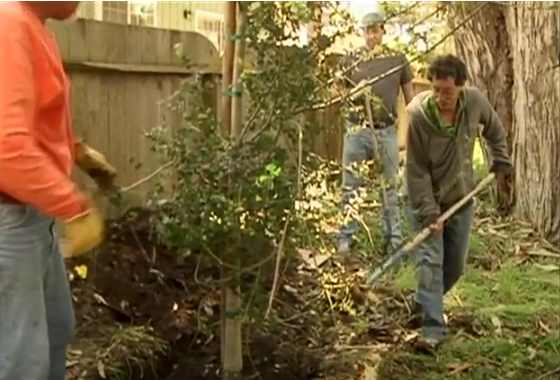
(132,282)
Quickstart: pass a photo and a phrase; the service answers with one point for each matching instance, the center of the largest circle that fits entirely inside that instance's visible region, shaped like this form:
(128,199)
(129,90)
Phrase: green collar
(434,115)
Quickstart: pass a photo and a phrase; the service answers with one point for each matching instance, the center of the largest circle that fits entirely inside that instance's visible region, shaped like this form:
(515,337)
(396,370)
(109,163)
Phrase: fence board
(120,74)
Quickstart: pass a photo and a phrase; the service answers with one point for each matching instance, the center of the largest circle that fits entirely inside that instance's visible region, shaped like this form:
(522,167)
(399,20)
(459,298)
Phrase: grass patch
(405,278)
(515,293)
(518,309)
(481,359)
(477,245)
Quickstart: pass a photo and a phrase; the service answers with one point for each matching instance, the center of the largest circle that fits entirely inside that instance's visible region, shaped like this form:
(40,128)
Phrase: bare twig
(252,119)
(154,255)
(536,6)
(357,347)
(549,246)
(279,253)
(147,178)
(266,124)
(403,11)
(236,267)
(550,373)
(285,230)
(140,246)
(331,305)
(364,84)
(300,160)
(545,254)
(359,218)
(439,8)
(209,284)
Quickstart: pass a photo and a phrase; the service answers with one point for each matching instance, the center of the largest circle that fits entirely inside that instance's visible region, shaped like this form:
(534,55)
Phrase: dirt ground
(145,313)
(132,282)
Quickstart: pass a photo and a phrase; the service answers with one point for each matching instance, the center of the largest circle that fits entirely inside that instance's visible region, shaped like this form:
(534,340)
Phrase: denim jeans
(359,147)
(440,262)
(36,315)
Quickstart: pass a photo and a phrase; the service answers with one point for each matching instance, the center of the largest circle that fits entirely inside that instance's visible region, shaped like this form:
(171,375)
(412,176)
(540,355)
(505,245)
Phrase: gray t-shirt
(386,89)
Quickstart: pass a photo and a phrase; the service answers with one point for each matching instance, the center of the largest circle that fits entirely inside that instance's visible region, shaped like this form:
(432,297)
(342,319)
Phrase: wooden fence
(121,73)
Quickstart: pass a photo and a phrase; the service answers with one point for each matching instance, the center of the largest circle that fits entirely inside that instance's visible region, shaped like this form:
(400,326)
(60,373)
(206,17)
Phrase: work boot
(427,344)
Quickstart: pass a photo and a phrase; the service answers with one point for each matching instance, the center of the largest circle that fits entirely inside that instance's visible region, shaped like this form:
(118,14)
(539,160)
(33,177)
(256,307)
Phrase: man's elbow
(408,92)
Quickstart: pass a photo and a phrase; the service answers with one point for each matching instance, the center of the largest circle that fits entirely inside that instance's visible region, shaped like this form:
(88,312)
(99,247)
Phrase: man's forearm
(408,92)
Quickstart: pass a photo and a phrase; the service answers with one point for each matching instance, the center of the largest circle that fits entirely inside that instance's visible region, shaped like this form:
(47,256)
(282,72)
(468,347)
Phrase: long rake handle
(423,235)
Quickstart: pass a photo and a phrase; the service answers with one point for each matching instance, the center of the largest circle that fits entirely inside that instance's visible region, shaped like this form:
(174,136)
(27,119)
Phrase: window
(115,11)
(211,25)
(142,13)
(87,10)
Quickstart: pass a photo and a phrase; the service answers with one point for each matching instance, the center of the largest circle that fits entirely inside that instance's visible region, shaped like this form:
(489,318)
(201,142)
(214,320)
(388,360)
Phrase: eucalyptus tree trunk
(512,52)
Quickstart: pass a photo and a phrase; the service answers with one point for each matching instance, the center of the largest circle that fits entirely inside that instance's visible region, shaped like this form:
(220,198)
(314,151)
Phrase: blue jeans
(359,147)
(36,315)
(440,262)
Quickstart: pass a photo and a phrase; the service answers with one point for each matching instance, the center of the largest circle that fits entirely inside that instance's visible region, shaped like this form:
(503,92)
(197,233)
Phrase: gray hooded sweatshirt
(439,167)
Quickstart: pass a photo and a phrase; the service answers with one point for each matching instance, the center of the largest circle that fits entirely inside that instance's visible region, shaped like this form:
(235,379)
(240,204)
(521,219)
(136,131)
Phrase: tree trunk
(227,65)
(511,51)
(534,31)
(231,340)
(238,66)
(484,45)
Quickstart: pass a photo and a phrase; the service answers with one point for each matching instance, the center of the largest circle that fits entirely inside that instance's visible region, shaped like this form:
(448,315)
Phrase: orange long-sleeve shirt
(36,139)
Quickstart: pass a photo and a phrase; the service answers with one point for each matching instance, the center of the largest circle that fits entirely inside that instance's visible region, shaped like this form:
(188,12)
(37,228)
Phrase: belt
(379,125)
(5,198)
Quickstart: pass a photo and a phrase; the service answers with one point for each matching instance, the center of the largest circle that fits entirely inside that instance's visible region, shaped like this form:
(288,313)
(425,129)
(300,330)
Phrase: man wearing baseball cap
(369,62)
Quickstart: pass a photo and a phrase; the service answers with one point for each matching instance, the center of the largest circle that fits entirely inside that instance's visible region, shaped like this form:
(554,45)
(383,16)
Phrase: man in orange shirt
(37,153)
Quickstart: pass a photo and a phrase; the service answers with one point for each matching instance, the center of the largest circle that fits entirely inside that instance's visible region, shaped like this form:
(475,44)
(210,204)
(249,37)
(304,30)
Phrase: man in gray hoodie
(443,125)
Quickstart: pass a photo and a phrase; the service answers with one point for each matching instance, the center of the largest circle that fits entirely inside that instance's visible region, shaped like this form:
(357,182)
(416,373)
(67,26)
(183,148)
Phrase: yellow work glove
(95,165)
(82,233)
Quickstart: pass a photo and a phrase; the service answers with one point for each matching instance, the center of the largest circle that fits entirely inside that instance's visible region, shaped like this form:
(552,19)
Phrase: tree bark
(534,31)
(511,52)
(484,45)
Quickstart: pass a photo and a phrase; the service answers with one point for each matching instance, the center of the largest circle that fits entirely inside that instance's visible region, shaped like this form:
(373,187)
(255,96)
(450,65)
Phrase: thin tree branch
(285,230)
(147,178)
(277,268)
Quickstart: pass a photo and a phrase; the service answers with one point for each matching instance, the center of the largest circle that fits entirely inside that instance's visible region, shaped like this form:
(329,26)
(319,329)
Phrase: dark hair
(445,66)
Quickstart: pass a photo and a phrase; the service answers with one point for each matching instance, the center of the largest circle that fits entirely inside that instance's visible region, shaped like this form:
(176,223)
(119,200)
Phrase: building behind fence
(205,17)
